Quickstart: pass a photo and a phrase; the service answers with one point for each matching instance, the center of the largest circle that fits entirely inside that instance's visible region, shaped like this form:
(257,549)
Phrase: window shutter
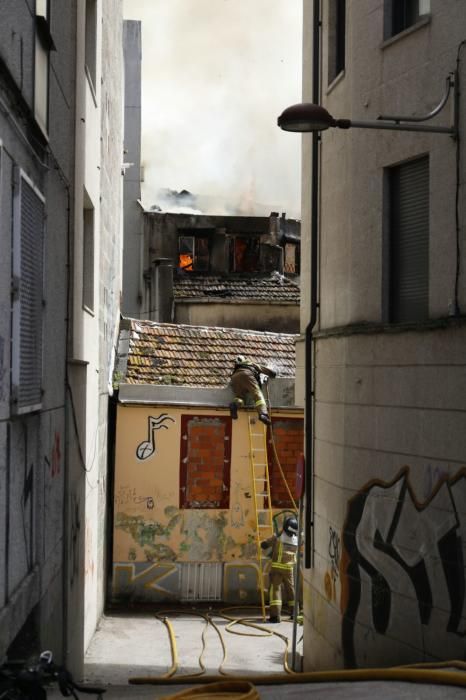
(28,297)
(409,259)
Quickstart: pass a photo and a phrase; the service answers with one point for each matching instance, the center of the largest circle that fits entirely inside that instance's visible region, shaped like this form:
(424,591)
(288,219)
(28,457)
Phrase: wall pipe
(308,346)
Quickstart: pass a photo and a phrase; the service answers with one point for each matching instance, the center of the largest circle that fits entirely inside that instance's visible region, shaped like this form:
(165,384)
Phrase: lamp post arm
(394,126)
(451,83)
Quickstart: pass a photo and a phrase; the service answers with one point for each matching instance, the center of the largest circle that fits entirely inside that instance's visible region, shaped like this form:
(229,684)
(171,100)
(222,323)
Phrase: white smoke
(216,74)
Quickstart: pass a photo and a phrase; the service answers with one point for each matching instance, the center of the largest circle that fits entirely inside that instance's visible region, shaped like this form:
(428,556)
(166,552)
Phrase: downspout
(309,349)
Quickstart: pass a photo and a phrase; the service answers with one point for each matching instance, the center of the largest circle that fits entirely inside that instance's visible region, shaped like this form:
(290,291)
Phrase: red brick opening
(205,458)
(289,443)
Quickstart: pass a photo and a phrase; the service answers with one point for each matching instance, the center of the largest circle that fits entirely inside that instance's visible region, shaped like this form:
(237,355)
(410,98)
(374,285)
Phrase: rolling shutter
(409,241)
(28,297)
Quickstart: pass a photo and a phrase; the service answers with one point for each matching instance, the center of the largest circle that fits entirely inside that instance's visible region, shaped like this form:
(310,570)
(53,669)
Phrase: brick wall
(205,455)
(289,444)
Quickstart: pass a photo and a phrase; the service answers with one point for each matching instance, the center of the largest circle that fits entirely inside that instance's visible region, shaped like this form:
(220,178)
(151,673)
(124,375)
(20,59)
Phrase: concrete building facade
(383,337)
(61,145)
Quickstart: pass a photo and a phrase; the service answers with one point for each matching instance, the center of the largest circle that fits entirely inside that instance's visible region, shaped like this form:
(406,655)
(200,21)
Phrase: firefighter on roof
(246,381)
(284,549)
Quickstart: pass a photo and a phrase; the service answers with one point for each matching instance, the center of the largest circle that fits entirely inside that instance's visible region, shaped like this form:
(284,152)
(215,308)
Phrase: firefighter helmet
(240,360)
(290,526)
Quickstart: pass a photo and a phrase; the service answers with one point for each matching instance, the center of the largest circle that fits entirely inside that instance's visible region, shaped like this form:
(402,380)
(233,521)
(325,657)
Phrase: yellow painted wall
(149,526)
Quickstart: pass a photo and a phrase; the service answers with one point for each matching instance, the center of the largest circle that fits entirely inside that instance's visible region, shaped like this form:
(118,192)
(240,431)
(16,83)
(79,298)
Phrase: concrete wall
(162,550)
(388,579)
(283,318)
(133,241)
(33,445)
(99,146)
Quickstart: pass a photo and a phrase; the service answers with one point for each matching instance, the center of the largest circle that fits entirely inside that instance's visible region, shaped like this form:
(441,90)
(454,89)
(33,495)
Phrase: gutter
(309,341)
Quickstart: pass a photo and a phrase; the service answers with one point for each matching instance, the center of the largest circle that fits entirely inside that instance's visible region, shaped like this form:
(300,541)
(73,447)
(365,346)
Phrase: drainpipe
(309,342)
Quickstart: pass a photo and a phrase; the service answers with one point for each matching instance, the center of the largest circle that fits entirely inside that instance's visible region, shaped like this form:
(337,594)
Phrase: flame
(186,262)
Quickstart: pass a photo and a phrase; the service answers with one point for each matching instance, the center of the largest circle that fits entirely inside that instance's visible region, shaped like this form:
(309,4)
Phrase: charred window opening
(244,254)
(193,253)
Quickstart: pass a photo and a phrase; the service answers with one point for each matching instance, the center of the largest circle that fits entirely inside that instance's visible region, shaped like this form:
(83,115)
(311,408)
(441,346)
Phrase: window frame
(336,39)
(396,19)
(88,250)
(253,239)
(43,45)
(196,257)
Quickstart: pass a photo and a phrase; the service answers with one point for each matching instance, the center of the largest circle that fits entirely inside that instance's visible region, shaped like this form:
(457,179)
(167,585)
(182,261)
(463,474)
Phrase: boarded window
(28,266)
(205,456)
(291,264)
(409,241)
(288,436)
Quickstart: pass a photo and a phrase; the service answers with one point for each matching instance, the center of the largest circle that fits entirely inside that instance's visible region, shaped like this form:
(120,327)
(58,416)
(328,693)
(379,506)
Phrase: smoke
(215,76)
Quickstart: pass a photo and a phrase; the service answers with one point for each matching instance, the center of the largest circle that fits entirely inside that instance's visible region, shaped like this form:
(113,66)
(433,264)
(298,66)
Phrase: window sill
(91,85)
(88,310)
(423,22)
(336,81)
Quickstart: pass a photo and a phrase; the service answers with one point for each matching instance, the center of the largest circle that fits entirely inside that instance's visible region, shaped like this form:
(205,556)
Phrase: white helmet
(240,360)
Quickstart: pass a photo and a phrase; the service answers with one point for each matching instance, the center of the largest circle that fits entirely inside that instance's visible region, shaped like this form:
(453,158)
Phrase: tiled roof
(274,288)
(200,356)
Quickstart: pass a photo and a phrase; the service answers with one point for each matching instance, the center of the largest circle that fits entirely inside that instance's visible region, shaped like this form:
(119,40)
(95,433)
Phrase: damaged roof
(197,356)
(273,289)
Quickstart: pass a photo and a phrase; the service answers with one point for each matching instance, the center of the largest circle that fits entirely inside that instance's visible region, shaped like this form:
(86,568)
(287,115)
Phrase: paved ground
(133,645)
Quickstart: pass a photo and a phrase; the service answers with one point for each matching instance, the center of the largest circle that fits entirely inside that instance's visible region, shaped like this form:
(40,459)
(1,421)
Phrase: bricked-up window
(289,444)
(205,457)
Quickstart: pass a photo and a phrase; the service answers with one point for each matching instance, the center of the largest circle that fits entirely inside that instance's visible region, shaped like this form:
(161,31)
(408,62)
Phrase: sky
(215,76)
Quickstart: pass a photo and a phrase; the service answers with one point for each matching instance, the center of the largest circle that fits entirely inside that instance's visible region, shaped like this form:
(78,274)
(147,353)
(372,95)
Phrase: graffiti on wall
(403,568)
(162,581)
(126,495)
(147,448)
(332,575)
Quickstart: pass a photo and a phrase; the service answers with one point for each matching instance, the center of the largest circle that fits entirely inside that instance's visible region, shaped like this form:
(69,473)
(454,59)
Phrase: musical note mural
(147,448)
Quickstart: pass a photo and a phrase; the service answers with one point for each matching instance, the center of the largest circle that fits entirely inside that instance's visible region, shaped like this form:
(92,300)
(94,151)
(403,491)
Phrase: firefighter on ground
(246,381)
(284,550)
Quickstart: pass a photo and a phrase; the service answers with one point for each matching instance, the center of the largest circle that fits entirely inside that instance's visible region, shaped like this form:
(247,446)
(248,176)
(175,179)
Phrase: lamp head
(305,117)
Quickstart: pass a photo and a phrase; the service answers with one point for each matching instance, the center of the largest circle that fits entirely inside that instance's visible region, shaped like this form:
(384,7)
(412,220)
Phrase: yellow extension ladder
(261,491)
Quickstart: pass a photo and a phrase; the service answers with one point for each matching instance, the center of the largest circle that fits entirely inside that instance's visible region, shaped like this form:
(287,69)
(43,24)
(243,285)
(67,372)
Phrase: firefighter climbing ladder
(261,491)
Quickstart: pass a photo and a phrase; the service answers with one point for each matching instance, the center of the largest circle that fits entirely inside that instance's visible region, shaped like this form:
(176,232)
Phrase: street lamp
(308,117)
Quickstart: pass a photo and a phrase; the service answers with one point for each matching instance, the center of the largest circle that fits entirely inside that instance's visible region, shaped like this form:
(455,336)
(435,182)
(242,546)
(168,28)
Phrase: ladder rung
(261,435)
(262,494)
(259,525)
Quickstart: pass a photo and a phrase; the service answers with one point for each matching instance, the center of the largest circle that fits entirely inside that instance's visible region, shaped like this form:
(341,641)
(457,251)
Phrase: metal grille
(201,581)
(409,258)
(31,233)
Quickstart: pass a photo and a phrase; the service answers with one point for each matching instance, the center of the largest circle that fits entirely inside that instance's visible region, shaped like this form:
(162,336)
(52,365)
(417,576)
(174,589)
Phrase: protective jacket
(245,382)
(284,549)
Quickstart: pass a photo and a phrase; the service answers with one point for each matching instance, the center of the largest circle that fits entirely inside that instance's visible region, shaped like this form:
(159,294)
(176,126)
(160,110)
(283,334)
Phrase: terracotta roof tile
(201,356)
(274,288)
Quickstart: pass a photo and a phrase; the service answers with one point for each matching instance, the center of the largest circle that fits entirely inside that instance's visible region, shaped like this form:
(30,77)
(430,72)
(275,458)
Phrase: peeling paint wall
(162,551)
